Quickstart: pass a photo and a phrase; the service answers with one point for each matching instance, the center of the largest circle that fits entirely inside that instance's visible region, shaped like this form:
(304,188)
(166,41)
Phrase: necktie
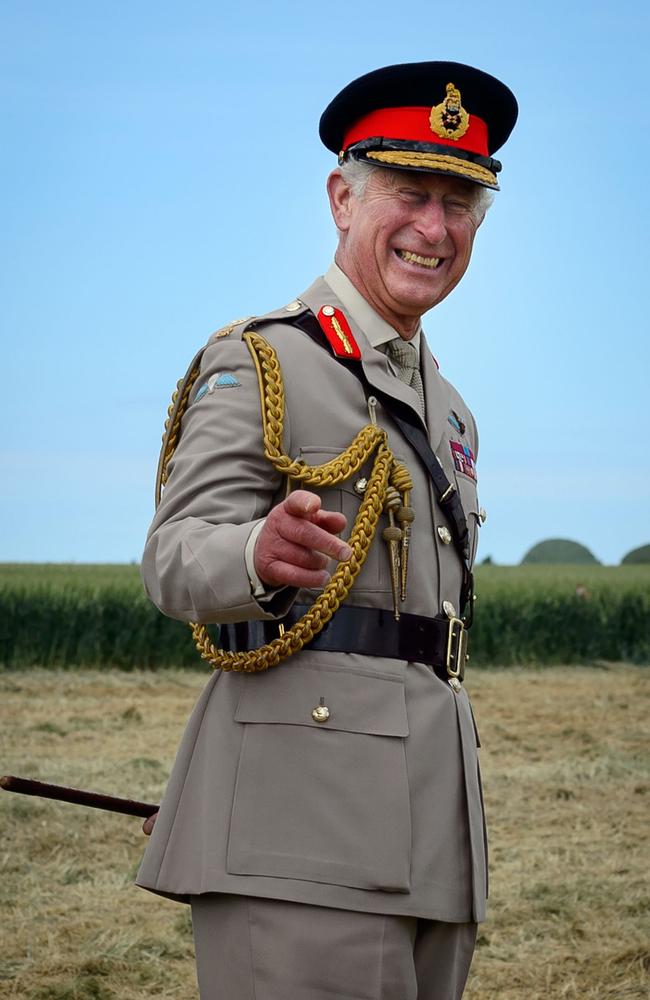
(405,359)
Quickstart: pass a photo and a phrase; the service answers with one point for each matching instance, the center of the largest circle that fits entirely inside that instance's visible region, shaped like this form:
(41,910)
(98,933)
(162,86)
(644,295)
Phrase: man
(324,815)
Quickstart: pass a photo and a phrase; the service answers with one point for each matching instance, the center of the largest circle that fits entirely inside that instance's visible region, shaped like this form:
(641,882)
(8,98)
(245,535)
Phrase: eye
(413,195)
(458,206)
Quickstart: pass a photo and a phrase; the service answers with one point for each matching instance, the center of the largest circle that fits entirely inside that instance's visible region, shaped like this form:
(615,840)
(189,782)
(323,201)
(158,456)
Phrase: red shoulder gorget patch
(339,335)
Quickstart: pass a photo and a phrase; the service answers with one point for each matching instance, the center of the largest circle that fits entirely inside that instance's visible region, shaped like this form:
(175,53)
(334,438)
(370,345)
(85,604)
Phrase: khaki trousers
(264,949)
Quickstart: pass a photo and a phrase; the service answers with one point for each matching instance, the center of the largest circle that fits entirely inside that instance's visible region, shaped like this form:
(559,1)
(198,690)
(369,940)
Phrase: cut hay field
(566,781)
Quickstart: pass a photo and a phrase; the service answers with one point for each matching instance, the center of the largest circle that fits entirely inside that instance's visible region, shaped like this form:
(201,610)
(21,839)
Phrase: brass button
(321,713)
(455,685)
(361,486)
(293,306)
(449,609)
(482,515)
(328,310)
(444,534)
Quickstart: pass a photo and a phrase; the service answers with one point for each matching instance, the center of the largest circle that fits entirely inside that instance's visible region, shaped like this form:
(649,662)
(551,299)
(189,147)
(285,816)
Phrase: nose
(431,222)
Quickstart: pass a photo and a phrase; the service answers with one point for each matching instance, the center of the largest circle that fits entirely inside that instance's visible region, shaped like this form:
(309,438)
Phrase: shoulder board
(286,314)
(226,330)
(292,313)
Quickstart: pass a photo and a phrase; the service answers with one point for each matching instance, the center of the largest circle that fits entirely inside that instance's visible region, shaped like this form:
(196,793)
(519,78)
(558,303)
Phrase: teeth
(415,258)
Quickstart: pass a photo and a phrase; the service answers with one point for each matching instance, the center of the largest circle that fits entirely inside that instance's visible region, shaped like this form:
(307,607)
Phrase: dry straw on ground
(567,798)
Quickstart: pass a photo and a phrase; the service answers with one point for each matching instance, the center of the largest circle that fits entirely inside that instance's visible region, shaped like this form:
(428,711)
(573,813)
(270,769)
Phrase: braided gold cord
(327,603)
(401,477)
(272,399)
(385,470)
(175,413)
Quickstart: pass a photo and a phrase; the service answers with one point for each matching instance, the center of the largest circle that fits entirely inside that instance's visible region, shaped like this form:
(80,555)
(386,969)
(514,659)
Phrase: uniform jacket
(380,808)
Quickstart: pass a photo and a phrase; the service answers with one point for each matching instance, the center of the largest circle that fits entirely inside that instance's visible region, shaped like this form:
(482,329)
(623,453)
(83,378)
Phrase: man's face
(407,241)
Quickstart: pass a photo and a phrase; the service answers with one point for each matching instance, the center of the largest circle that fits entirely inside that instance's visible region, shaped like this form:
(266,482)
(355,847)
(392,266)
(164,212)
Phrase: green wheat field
(57,615)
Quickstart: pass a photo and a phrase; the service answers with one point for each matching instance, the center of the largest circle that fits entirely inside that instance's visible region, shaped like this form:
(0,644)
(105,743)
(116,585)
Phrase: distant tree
(560,550)
(640,555)
(488,561)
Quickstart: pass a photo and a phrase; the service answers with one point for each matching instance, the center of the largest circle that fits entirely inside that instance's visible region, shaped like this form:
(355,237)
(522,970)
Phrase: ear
(340,196)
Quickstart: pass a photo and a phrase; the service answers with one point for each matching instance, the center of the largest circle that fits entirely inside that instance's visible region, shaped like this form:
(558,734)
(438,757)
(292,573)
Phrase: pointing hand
(296,542)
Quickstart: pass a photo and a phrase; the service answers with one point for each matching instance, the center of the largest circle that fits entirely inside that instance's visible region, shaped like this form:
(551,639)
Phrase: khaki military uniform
(379,809)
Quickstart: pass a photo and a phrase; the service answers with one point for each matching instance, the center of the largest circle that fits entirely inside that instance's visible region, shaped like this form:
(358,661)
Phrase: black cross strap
(448,501)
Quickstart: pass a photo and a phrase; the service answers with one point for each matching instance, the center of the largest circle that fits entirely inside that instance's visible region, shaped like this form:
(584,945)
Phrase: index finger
(303,531)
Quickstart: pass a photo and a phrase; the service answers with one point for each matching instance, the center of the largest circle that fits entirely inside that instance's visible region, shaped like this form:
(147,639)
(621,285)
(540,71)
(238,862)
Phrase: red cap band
(413,124)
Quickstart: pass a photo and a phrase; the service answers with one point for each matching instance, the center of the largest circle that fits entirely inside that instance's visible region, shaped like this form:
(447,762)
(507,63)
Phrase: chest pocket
(375,573)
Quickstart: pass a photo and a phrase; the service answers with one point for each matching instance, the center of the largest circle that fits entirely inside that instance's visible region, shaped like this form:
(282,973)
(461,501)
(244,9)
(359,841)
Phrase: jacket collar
(377,330)
(375,363)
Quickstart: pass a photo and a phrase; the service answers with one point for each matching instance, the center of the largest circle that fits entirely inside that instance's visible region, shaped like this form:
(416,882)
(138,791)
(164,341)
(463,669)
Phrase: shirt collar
(376,329)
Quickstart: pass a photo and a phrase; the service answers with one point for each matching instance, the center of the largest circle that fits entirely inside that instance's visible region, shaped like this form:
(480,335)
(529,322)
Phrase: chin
(415,300)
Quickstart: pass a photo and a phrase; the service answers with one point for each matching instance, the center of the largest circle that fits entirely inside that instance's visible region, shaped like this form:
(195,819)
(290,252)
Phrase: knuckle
(302,533)
(313,561)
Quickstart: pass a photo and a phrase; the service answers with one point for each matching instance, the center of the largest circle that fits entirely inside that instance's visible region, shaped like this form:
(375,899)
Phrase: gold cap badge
(449,120)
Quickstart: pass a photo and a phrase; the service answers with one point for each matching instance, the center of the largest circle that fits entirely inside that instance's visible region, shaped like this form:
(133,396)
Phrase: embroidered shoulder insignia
(339,335)
(220,380)
(463,459)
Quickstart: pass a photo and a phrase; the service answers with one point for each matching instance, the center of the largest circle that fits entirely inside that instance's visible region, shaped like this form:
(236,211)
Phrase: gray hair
(357,173)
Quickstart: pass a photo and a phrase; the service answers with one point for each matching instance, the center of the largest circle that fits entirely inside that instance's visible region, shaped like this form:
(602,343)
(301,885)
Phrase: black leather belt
(439,642)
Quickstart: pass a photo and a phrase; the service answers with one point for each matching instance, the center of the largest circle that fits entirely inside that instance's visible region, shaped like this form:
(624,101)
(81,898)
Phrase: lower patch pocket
(323,801)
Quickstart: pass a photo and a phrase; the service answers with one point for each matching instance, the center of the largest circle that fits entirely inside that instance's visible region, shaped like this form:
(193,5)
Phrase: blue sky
(162,174)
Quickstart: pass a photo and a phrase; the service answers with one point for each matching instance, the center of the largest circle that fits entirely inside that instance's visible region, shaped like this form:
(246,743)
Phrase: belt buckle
(456,648)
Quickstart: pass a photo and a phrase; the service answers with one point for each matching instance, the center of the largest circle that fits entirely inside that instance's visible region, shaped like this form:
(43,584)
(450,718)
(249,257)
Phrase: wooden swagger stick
(95,800)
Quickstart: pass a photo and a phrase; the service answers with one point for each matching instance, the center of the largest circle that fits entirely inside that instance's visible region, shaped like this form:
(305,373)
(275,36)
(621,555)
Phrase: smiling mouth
(431,263)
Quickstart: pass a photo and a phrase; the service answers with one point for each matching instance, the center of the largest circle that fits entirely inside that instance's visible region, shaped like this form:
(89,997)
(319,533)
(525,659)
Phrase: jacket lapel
(435,396)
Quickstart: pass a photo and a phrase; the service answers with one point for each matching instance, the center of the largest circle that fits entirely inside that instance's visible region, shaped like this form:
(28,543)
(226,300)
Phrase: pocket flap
(356,702)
